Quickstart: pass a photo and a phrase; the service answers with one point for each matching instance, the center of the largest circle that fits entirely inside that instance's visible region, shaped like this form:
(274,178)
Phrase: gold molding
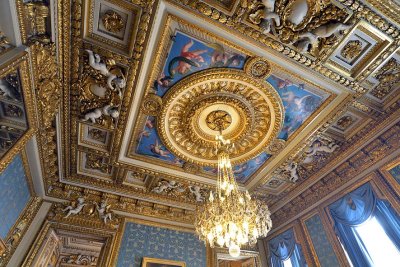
(219,87)
(20,64)
(106,252)
(24,221)
(126,220)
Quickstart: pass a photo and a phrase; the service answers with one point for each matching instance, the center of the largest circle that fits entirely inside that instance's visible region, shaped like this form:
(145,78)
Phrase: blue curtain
(354,209)
(284,247)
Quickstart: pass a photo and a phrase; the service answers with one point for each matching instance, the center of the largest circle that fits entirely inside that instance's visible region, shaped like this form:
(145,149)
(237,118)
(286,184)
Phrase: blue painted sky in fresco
(299,104)
(243,171)
(150,144)
(188,55)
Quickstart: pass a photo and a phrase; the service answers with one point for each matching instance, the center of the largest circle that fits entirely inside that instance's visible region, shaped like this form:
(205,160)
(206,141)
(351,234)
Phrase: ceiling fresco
(139,80)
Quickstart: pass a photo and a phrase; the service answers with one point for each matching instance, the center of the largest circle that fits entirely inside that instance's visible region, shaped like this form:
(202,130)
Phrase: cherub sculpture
(310,39)
(95,63)
(75,209)
(164,186)
(196,191)
(104,211)
(107,110)
(321,144)
(268,14)
(291,171)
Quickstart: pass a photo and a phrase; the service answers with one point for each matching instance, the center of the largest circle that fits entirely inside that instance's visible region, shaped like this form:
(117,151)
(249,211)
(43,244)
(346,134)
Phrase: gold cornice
(324,171)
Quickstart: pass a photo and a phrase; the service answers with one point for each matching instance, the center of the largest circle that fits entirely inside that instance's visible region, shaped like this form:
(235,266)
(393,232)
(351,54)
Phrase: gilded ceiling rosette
(246,107)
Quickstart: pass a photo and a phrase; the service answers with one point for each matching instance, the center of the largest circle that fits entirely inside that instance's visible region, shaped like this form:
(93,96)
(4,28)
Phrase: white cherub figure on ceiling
(103,210)
(95,63)
(107,110)
(75,210)
(196,191)
(321,144)
(165,185)
(291,171)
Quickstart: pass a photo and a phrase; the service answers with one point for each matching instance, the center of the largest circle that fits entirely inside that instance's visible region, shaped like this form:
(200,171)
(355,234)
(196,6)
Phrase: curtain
(355,208)
(284,247)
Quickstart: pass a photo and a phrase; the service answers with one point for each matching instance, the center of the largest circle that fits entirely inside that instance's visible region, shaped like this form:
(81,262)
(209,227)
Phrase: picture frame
(154,262)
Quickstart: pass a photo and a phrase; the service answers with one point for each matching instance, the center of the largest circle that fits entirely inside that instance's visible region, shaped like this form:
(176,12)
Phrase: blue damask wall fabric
(322,246)
(141,241)
(15,194)
(283,247)
(354,209)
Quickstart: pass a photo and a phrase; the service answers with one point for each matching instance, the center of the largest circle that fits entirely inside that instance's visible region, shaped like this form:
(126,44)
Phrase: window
(379,246)
(287,263)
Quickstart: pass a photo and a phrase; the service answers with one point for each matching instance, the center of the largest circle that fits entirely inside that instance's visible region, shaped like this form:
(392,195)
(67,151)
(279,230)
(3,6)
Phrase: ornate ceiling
(140,86)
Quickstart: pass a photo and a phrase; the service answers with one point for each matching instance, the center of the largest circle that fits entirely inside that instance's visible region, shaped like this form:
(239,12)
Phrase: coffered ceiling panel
(145,83)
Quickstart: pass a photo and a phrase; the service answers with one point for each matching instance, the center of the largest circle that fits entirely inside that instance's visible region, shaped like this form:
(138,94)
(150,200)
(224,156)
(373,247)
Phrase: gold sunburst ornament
(230,218)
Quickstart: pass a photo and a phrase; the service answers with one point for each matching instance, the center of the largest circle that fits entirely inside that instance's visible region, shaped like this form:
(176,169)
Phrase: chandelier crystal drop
(231,218)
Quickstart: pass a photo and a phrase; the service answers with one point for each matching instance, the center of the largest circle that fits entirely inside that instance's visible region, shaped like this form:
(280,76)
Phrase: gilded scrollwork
(352,50)
(388,76)
(258,68)
(309,25)
(4,43)
(96,162)
(36,14)
(152,104)
(48,82)
(242,101)
(276,146)
(112,21)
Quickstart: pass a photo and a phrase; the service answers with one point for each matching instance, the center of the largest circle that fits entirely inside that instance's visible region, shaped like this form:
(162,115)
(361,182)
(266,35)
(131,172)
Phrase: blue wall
(146,241)
(14,194)
(322,246)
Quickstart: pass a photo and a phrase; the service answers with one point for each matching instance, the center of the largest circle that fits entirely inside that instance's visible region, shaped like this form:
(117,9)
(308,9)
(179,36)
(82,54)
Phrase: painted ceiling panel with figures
(145,83)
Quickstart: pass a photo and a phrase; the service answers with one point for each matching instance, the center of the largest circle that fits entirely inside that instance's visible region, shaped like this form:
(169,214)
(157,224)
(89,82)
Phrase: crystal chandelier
(230,218)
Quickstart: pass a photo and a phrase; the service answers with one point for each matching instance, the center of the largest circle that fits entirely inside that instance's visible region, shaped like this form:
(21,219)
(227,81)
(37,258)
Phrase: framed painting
(391,172)
(153,262)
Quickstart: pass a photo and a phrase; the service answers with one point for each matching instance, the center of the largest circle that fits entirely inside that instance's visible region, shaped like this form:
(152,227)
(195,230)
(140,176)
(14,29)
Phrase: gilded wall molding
(19,229)
(20,63)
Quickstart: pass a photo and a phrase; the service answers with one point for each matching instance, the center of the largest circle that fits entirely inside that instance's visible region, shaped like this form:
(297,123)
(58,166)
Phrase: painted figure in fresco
(150,123)
(284,84)
(156,148)
(144,133)
(220,58)
(162,83)
(185,61)
(75,210)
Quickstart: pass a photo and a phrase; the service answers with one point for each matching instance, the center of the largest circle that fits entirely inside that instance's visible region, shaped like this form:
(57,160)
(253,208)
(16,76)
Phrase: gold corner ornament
(249,108)
(258,68)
